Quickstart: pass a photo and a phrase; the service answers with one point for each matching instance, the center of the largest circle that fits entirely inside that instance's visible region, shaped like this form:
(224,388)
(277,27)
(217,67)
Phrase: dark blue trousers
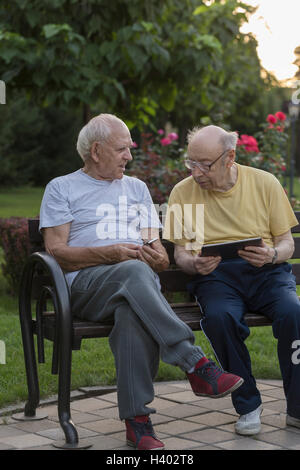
(224,296)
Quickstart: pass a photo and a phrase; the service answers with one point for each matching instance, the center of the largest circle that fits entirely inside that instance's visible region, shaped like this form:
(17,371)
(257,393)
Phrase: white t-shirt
(101,212)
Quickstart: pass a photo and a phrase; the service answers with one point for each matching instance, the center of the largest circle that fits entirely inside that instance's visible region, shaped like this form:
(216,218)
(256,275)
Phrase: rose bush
(14,241)
(267,149)
(158,161)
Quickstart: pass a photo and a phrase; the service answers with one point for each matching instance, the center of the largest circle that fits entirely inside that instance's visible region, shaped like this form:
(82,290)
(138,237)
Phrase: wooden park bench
(42,280)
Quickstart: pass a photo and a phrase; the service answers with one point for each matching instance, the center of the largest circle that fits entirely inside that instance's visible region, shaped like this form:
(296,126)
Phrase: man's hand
(155,256)
(123,252)
(198,264)
(206,264)
(257,255)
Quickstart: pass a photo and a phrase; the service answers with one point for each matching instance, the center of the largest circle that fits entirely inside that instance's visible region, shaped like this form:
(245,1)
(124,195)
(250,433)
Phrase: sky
(276,26)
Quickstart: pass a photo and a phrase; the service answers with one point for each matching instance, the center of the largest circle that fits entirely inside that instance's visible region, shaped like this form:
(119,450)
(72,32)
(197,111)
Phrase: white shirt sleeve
(55,209)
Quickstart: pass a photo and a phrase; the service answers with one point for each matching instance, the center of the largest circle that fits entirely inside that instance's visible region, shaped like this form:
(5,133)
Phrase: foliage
(36,144)
(14,241)
(266,150)
(218,91)
(157,161)
(174,58)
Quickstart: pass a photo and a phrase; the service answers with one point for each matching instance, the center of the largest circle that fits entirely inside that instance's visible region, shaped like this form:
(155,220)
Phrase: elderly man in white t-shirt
(94,222)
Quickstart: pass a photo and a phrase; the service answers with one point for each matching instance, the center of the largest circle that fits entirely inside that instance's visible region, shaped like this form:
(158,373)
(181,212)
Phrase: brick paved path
(183,421)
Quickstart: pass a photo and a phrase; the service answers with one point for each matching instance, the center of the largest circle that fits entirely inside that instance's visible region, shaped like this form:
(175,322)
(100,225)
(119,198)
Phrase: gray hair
(97,129)
(191,133)
(227,139)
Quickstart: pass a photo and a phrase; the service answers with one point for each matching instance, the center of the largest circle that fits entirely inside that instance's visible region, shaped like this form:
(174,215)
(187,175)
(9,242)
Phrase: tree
(130,57)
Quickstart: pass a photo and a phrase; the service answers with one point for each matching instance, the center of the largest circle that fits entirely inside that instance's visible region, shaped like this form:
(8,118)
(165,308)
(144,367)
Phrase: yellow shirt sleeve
(281,214)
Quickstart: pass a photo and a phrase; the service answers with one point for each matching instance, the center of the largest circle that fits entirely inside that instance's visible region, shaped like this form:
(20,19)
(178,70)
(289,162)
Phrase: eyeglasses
(191,164)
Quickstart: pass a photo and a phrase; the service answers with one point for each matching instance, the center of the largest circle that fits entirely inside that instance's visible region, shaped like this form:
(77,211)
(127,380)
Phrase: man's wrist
(275,256)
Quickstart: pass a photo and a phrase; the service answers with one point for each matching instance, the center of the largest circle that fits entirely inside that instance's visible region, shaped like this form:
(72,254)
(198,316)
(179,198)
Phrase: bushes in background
(14,241)
(36,144)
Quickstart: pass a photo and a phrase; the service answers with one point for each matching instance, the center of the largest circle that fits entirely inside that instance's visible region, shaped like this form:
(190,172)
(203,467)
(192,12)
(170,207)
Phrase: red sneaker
(140,434)
(209,380)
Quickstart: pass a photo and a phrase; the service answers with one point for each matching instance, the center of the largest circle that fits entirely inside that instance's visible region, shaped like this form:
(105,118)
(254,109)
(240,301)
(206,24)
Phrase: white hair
(227,139)
(191,133)
(97,129)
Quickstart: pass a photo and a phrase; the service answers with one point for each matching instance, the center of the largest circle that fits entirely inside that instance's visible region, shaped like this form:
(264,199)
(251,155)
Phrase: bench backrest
(173,279)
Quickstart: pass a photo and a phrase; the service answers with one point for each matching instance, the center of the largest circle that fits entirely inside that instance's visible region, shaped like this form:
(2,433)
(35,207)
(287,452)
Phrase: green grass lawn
(20,202)
(94,364)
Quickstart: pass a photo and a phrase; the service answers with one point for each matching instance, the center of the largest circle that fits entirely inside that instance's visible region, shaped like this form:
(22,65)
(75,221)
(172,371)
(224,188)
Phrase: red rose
(272,119)
(249,142)
(280,116)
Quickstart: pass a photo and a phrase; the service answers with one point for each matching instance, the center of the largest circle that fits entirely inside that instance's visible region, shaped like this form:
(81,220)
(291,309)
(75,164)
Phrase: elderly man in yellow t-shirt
(223,201)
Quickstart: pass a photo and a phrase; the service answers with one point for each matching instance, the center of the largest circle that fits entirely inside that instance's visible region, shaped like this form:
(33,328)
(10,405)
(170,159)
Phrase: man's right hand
(206,264)
(198,264)
(124,252)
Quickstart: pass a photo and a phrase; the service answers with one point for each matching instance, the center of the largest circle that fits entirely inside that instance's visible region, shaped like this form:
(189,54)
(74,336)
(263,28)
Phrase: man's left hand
(155,256)
(257,255)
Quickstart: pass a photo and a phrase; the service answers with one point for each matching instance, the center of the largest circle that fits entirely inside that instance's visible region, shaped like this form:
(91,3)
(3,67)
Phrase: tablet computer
(229,250)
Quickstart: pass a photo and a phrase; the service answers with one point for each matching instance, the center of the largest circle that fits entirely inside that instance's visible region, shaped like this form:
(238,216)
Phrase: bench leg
(64,389)
(30,413)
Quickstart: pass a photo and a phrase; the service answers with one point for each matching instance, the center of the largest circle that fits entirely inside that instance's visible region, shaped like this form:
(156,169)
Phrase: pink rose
(134,145)
(160,131)
(173,136)
(165,141)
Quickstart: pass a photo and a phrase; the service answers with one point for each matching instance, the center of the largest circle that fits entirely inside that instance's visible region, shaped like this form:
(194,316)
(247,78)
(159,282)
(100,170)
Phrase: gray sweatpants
(145,328)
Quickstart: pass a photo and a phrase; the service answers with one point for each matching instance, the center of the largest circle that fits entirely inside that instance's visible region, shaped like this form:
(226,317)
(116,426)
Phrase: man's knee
(135,269)
(222,318)
(216,314)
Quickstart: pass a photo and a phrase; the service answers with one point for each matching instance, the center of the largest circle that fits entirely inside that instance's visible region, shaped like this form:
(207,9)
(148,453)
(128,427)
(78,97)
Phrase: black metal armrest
(61,300)
(57,278)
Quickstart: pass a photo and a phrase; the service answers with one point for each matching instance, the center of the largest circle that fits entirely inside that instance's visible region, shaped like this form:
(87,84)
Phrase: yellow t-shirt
(256,206)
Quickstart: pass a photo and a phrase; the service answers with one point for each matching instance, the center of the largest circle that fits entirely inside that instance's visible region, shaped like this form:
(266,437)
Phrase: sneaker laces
(143,428)
(210,369)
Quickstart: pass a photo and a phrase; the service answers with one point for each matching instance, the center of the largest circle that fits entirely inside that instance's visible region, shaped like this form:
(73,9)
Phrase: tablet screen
(229,250)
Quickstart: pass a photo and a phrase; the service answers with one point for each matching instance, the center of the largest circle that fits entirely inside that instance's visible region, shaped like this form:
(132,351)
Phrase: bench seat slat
(189,313)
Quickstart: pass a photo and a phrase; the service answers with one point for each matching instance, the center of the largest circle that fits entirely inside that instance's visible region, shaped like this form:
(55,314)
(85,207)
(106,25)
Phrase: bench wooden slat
(296,254)
(296,272)
(297,228)
(174,280)
(187,312)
